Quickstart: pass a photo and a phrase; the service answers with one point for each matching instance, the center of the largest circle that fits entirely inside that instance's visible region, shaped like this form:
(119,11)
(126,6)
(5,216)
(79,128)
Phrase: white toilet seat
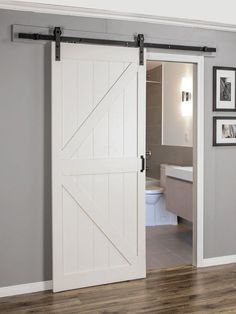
(153,189)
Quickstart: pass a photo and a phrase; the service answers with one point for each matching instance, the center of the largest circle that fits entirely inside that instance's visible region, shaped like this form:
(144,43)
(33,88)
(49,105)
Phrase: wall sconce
(186,107)
(186,96)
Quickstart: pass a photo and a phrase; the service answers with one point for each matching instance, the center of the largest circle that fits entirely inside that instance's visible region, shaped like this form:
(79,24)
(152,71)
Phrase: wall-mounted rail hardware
(139,42)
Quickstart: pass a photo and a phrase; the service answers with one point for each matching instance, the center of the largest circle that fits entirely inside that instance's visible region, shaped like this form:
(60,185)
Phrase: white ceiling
(204,13)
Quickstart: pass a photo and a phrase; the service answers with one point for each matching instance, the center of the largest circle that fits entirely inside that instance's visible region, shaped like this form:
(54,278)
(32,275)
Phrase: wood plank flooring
(180,290)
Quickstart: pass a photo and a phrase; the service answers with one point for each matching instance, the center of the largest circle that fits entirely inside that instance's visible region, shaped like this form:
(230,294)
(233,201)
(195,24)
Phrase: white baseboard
(47,285)
(25,288)
(215,261)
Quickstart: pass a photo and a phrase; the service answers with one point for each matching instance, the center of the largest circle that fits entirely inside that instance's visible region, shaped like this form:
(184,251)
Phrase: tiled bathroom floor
(168,246)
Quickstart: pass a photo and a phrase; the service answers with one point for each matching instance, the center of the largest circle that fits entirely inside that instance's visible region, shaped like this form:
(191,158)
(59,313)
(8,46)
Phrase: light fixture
(186,90)
(186,96)
(186,106)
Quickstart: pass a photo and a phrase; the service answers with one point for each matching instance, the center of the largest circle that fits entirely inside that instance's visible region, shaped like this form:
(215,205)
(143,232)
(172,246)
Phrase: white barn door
(98,136)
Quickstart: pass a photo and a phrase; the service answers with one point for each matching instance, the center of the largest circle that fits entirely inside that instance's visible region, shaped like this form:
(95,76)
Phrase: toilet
(154,194)
(156,213)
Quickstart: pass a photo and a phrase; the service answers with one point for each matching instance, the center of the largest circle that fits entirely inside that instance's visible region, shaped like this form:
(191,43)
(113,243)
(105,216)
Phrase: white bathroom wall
(177,121)
(160,154)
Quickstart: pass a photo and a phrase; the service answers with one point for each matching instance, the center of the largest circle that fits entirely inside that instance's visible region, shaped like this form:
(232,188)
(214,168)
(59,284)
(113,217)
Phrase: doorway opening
(171,101)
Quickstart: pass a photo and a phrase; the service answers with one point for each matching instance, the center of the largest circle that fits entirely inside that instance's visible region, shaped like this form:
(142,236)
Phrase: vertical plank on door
(84,90)
(69,100)
(116,205)
(101,243)
(70,237)
(130,120)
(100,150)
(85,248)
(100,138)
(100,80)
(116,128)
(116,113)
(130,203)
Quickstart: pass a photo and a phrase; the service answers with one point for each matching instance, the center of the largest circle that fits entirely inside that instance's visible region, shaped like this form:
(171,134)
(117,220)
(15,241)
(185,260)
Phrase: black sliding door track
(137,43)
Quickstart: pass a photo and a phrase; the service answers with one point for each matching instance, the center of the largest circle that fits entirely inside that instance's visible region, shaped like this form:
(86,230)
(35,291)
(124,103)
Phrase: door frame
(198,148)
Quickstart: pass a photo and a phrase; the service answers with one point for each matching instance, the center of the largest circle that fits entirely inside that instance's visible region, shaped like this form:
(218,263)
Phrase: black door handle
(143,163)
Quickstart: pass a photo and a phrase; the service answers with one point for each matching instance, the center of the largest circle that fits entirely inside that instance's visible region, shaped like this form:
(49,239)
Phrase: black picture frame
(215,119)
(215,69)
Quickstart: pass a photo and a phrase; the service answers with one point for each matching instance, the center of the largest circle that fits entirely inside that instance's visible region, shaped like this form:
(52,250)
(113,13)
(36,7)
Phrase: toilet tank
(163,175)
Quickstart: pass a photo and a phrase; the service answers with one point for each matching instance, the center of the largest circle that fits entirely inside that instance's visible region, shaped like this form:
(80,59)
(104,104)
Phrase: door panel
(98,135)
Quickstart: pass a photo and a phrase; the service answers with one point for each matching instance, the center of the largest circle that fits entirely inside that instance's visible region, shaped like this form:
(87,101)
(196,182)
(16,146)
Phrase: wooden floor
(180,290)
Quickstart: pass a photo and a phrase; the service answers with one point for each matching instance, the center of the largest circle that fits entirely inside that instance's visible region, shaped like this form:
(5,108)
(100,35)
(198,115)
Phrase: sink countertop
(178,172)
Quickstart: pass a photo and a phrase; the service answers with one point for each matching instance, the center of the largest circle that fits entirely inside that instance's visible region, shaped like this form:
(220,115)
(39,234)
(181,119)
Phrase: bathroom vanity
(179,191)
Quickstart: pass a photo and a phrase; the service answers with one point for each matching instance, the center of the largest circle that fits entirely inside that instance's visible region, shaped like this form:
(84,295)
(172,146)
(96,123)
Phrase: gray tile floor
(168,246)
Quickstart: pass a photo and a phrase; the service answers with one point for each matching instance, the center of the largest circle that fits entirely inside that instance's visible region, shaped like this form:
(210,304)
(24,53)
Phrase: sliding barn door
(98,136)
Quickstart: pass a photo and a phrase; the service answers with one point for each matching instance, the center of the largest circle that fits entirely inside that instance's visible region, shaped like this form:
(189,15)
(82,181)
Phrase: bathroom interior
(170,92)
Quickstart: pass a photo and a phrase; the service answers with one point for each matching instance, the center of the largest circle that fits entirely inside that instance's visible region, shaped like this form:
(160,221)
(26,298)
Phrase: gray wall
(25,204)
(176,155)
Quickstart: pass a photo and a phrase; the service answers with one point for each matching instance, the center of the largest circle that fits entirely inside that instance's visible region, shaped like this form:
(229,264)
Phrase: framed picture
(224,87)
(224,131)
